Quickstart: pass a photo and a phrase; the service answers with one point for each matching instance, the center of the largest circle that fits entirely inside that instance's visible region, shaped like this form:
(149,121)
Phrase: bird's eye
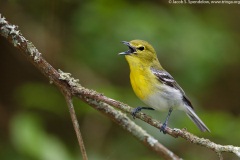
(141,48)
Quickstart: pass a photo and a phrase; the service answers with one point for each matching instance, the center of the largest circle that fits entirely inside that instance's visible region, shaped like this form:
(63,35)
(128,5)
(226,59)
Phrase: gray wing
(167,79)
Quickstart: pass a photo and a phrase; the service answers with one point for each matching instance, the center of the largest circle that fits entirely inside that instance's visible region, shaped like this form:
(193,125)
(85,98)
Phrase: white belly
(165,98)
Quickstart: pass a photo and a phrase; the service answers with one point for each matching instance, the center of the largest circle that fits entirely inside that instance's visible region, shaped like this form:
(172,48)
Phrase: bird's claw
(135,111)
(163,128)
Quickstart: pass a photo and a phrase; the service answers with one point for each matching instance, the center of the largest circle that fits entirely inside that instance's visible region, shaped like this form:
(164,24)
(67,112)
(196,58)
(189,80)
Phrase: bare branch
(12,33)
(173,132)
(102,103)
(68,99)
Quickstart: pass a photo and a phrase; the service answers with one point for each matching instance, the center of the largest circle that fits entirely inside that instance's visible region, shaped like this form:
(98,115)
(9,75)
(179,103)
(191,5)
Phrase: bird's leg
(163,128)
(138,109)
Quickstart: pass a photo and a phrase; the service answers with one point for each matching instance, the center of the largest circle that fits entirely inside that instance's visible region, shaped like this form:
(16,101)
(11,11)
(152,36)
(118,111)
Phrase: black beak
(128,52)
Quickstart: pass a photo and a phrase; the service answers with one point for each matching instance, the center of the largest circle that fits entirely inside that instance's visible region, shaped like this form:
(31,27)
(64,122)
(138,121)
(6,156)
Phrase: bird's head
(139,52)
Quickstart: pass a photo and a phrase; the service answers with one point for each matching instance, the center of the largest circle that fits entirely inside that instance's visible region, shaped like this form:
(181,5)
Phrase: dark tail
(192,115)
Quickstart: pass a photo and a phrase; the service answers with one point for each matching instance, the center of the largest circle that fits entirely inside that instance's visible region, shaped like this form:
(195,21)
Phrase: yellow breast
(142,81)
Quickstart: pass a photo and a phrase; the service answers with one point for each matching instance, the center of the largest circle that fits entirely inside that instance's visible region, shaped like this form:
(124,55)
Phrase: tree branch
(173,132)
(65,82)
(68,99)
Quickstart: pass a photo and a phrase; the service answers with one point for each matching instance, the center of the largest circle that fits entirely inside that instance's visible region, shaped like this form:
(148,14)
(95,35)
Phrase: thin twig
(68,99)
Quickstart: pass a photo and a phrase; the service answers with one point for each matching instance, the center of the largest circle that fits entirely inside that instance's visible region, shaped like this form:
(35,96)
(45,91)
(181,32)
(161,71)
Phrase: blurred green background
(197,44)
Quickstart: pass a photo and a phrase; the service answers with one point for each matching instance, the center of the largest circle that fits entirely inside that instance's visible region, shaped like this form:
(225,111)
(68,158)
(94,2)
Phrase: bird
(154,85)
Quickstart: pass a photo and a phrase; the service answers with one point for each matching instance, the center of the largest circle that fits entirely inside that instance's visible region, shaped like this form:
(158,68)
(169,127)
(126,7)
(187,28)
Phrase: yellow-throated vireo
(155,86)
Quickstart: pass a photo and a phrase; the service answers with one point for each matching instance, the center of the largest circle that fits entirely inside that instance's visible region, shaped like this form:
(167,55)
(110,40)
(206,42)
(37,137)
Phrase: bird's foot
(138,109)
(135,111)
(163,128)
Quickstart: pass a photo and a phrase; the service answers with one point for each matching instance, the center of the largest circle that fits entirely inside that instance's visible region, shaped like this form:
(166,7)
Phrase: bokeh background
(197,44)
